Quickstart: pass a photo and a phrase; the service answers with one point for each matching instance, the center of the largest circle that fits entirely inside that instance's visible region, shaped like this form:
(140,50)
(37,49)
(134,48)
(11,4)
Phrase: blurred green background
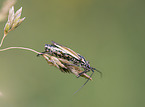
(109,33)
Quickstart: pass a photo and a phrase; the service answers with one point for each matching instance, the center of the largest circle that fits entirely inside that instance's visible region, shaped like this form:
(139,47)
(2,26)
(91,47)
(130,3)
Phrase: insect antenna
(85,82)
(97,71)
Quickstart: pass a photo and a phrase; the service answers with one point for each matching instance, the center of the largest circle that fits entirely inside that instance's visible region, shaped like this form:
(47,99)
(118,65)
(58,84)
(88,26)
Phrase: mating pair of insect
(67,60)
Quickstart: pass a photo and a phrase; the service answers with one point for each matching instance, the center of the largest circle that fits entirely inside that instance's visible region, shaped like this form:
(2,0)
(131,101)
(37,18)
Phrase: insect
(67,55)
(61,51)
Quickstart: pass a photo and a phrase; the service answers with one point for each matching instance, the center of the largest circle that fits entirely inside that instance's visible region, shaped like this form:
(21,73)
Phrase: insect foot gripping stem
(41,53)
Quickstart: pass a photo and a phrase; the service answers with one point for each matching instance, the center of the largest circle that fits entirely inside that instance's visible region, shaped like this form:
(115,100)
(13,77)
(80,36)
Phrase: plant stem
(2,39)
(20,48)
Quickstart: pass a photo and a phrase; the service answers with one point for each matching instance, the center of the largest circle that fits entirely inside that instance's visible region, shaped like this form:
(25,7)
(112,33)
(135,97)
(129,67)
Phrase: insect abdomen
(55,51)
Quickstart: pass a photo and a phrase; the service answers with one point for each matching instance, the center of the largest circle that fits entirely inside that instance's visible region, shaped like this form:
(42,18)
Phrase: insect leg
(97,71)
(82,73)
(84,83)
(41,53)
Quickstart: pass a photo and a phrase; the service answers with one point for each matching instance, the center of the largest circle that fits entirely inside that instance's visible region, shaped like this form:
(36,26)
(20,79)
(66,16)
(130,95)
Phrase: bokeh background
(109,33)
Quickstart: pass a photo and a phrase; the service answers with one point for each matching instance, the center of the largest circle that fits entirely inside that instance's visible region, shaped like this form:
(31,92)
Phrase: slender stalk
(20,48)
(2,39)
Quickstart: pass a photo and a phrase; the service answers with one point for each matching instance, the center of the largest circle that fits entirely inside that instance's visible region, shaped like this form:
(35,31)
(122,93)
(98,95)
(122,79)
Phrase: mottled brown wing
(67,50)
